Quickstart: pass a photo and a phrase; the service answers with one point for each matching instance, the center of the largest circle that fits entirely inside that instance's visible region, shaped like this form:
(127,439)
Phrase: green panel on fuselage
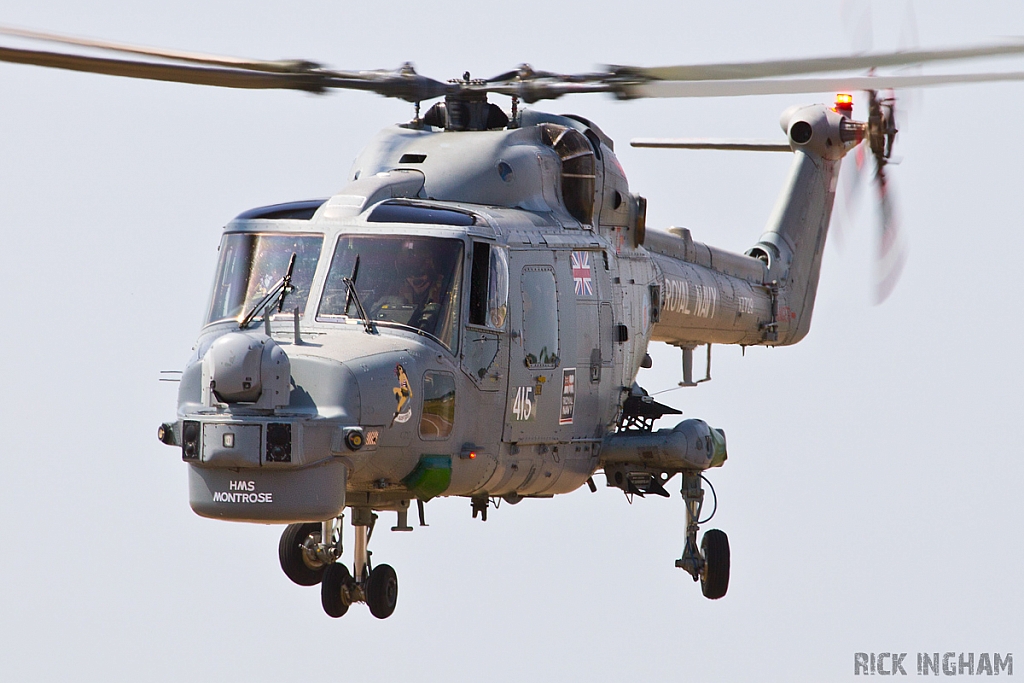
(431,476)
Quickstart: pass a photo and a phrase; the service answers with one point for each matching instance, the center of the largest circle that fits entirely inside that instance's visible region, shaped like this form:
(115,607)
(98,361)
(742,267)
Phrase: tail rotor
(881,134)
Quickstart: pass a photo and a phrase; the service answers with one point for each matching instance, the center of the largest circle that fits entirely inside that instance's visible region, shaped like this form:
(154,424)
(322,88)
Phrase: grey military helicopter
(467,315)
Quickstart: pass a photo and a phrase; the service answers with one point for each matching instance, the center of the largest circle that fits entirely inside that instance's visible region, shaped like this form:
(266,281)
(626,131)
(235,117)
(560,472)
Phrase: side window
(540,317)
(488,291)
(478,284)
(438,405)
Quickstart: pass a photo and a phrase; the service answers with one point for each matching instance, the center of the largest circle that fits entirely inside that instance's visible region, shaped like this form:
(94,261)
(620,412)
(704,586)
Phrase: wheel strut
(708,563)
(376,586)
(328,549)
(693,498)
(363,520)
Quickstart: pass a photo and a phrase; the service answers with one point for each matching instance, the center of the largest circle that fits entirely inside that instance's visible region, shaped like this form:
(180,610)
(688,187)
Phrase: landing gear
(709,564)
(336,590)
(714,580)
(298,552)
(376,586)
(382,591)
(307,561)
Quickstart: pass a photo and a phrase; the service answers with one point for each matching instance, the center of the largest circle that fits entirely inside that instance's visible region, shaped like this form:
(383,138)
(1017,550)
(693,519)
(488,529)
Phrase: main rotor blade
(176,73)
(278,66)
(789,86)
(404,84)
(793,67)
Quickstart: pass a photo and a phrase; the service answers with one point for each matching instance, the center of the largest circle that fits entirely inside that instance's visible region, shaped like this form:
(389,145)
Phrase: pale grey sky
(872,495)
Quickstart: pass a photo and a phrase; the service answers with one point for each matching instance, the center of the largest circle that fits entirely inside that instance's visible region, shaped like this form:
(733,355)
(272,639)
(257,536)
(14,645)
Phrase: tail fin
(794,238)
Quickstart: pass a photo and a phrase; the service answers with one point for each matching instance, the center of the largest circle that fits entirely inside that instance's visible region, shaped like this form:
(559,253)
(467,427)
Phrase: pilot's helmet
(415,260)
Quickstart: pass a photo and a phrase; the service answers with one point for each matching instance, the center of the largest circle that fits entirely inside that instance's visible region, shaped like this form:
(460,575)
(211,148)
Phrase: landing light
(844,103)
(354,440)
(166,434)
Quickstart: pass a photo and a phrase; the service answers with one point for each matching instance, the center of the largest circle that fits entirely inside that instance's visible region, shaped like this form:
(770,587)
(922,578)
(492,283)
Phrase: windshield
(252,263)
(412,281)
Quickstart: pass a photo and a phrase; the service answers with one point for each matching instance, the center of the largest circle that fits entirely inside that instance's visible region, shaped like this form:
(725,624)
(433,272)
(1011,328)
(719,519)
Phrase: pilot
(418,298)
(423,282)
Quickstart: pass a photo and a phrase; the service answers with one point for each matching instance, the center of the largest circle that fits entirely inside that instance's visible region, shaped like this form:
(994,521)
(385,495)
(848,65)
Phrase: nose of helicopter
(263,439)
(255,456)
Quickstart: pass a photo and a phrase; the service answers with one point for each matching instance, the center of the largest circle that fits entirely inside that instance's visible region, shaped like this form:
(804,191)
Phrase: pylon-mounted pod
(691,444)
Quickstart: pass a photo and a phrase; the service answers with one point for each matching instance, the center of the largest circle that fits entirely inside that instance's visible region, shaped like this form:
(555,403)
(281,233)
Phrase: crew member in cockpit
(423,282)
(419,297)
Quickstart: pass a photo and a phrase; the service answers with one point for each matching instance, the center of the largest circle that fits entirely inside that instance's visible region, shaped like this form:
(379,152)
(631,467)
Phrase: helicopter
(324,380)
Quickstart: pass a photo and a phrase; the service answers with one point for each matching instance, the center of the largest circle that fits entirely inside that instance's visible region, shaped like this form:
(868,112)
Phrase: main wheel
(296,565)
(334,590)
(714,580)
(382,591)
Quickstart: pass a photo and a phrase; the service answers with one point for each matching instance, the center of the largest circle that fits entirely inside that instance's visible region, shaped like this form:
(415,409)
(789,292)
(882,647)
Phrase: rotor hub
(466,110)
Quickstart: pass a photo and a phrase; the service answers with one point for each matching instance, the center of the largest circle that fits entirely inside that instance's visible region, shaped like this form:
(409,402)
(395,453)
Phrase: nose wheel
(710,563)
(298,552)
(308,561)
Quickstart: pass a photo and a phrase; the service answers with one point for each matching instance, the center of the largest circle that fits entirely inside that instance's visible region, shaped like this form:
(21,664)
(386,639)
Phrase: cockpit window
(252,263)
(403,212)
(293,211)
(410,281)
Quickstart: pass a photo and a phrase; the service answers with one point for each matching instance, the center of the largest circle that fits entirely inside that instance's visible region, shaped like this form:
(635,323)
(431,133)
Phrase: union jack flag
(581,278)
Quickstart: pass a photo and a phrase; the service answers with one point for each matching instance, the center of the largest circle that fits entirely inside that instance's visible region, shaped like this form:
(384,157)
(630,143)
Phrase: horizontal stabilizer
(713,143)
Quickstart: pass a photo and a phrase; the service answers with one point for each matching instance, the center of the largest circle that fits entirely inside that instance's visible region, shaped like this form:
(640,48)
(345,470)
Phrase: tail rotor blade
(855,16)
(892,252)
(851,179)
(911,99)
(855,178)
(860,155)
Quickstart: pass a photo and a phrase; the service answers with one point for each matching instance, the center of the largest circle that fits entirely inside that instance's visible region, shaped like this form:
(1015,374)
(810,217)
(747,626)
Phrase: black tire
(293,561)
(382,591)
(714,580)
(334,590)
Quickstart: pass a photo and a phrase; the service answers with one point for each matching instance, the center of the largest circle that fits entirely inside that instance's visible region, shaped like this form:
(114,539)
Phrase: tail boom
(766,296)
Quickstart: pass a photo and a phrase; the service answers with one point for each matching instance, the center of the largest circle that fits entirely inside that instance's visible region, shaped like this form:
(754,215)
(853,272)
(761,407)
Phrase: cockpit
(252,263)
(409,281)
(406,281)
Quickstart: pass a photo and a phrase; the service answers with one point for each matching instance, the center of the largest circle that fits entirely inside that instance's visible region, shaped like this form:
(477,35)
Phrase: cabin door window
(540,317)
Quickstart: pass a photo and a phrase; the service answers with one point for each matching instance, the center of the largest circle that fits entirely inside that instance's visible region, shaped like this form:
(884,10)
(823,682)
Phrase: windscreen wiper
(279,291)
(352,295)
